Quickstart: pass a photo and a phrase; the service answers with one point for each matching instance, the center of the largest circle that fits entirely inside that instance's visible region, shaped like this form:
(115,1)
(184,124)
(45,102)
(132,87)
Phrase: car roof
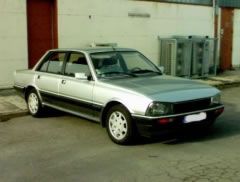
(94,49)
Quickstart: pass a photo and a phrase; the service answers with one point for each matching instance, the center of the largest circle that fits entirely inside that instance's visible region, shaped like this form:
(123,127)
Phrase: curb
(227,85)
(7,116)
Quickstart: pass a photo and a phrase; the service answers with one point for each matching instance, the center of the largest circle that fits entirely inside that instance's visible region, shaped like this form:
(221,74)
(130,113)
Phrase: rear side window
(43,67)
(54,63)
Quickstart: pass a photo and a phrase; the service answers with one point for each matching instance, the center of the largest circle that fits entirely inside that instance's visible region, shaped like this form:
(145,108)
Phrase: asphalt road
(67,148)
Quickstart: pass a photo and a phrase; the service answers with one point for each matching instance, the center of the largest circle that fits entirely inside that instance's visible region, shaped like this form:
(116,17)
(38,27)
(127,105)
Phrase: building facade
(28,29)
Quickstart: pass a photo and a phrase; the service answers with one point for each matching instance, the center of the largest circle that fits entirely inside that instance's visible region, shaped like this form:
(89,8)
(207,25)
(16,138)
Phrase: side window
(43,66)
(53,64)
(56,62)
(77,63)
(105,63)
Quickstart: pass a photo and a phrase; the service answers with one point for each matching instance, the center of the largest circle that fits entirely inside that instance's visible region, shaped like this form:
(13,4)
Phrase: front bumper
(153,126)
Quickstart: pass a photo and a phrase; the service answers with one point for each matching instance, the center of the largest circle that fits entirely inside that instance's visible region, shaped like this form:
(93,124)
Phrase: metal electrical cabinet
(176,56)
(202,57)
(211,56)
(199,61)
(191,56)
(168,49)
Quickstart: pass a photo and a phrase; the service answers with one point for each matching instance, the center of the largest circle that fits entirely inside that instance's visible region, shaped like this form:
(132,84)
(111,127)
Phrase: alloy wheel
(33,103)
(118,125)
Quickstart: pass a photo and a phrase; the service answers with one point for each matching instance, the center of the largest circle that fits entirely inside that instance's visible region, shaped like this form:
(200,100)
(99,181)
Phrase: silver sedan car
(119,88)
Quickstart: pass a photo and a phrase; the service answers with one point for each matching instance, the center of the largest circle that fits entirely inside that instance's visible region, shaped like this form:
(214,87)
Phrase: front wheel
(34,103)
(120,126)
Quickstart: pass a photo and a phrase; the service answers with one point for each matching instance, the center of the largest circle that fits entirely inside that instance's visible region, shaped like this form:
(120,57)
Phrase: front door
(226,39)
(77,93)
(42,28)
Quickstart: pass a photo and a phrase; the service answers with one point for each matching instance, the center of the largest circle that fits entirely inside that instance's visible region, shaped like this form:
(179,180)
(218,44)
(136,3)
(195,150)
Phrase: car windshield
(119,64)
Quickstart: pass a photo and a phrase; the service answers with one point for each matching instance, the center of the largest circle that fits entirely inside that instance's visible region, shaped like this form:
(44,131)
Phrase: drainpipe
(216,33)
(215,18)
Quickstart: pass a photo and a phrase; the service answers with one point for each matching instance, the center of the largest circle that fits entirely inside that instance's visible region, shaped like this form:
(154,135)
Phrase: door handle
(63,81)
(38,77)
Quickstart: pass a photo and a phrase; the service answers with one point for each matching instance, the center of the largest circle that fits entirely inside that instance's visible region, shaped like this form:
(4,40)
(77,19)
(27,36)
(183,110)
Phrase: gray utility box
(202,57)
(188,56)
(175,56)
(210,55)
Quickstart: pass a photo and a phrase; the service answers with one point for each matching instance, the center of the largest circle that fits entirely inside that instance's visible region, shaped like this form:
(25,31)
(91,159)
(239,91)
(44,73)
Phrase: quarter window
(77,63)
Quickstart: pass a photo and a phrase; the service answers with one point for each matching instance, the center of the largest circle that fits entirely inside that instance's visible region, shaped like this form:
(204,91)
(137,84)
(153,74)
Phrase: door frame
(54,31)
(55,23)
(226,64)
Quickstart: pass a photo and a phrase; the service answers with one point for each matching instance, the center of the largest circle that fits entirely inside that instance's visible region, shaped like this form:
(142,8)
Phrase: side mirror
(161,69)
(81,76)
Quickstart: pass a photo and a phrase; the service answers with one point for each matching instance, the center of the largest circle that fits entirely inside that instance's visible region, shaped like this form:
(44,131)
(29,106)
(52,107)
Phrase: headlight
(216,99)
(158,109)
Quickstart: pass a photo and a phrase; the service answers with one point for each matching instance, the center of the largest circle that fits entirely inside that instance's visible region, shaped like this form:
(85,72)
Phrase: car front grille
(189,106)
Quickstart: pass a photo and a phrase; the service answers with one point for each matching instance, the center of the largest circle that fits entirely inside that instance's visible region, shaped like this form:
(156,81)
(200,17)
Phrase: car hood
(166,88)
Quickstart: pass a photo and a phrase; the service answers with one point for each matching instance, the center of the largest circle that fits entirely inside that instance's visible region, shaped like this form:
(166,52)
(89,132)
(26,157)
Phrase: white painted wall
(109,22)
(13,39)
(236,39)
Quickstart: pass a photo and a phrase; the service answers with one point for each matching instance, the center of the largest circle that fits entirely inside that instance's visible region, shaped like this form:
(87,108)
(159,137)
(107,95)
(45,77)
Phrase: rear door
(77,93)
(48,75)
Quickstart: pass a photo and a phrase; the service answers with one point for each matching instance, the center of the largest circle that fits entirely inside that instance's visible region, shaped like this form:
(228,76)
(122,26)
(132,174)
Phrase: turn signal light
(219,111)
(165,120)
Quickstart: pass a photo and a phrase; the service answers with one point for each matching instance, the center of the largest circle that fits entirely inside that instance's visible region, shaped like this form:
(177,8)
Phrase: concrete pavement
(224,80)
(66,148)
(12,105)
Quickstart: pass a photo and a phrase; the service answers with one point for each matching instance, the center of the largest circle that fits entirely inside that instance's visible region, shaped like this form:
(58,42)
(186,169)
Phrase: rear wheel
(34,103)
(120,126)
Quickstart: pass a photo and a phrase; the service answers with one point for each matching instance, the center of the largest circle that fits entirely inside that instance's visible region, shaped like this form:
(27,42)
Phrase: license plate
(195,117)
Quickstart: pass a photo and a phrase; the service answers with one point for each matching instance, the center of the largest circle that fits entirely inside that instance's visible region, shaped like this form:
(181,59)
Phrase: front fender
(138,107)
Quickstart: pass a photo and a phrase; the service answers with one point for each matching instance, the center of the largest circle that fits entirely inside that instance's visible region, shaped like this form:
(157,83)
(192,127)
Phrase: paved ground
(11,105)
(66,148)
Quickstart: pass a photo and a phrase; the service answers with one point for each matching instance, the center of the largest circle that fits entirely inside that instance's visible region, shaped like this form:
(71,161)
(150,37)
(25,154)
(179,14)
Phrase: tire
(34,103)
(120,126)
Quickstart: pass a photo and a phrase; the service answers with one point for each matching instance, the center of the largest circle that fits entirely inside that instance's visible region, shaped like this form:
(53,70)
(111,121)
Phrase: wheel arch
(28,89)
(107,107)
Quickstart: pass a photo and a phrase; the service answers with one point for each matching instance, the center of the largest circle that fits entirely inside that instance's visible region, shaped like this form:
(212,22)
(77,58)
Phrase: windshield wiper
(145,71)
(118,72)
